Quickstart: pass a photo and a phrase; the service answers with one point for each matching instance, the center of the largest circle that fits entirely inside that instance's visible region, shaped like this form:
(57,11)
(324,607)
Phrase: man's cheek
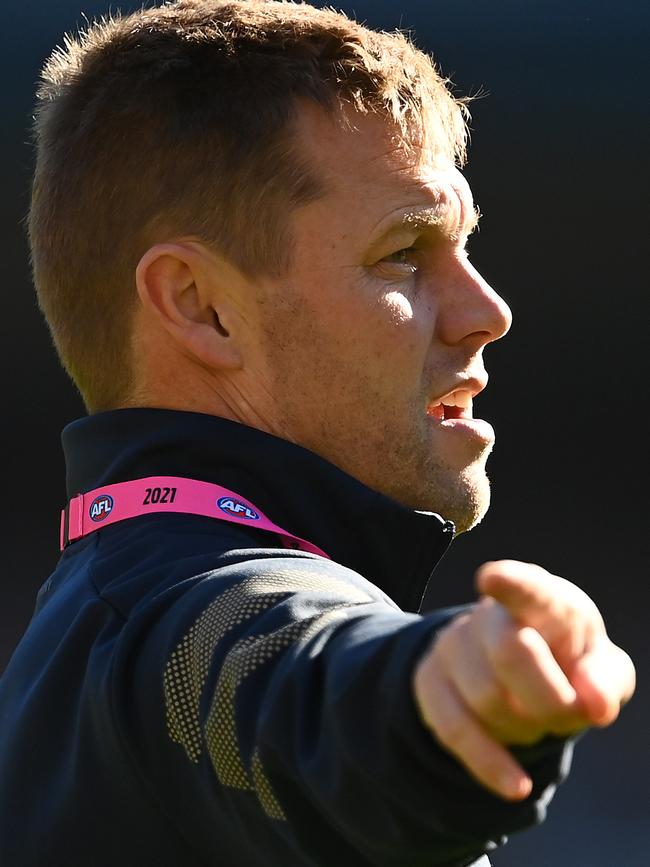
(398,307)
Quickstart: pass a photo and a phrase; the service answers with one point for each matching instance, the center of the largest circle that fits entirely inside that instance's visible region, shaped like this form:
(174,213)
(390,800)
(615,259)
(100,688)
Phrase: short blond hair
(178,120)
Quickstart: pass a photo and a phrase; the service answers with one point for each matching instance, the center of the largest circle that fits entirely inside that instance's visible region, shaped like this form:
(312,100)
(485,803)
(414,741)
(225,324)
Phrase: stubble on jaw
(336,412)
(417,477)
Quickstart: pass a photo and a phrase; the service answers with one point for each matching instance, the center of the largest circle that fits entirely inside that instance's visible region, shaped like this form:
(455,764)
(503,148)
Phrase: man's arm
(288,704)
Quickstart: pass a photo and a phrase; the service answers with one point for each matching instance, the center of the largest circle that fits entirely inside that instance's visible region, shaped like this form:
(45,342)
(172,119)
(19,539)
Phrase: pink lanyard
(89,512)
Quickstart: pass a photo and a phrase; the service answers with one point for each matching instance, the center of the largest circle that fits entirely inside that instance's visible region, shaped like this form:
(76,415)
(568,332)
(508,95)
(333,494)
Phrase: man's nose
(470,309)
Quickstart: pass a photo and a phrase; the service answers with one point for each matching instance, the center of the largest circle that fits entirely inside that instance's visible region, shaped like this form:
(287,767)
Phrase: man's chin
(464,501)
(460,494)
(467,521)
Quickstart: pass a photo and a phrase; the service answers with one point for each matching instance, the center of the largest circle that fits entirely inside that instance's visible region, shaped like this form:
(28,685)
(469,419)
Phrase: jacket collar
(394,547)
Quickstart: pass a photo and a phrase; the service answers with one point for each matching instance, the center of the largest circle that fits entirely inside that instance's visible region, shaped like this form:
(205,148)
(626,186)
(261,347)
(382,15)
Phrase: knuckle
(509,649)
(450,638)
(424,669)
(457,628)
(489,699)
(424,684)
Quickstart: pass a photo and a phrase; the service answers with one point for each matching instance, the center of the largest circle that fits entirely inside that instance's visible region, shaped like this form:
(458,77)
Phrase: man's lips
(454,404)
(442,412)
(453,412)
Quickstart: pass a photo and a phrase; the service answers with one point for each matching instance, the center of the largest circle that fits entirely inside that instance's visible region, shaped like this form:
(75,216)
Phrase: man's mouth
(452,413)
(456,404)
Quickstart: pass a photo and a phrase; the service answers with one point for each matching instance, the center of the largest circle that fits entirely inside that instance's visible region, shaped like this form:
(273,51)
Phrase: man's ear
(188,292)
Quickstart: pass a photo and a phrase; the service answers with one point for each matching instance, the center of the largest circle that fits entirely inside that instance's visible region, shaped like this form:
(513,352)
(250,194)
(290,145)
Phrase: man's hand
(531,659)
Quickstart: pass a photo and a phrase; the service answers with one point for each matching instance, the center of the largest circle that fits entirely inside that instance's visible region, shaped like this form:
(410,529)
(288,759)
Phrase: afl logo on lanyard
(231,506)
(100,508)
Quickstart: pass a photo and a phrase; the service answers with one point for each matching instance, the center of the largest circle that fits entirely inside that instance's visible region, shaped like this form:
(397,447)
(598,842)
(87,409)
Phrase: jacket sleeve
(278,693)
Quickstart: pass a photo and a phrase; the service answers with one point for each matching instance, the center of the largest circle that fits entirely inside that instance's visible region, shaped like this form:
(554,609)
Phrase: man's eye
(404,257)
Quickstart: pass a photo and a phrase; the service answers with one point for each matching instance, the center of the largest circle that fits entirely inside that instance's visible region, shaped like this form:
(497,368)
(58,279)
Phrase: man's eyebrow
(441,217)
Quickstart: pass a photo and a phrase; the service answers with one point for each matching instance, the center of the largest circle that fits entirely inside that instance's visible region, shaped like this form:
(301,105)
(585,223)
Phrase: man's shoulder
(162,569)
(273,570)
(258,579)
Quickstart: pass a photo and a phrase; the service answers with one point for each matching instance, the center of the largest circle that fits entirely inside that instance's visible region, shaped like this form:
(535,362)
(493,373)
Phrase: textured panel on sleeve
(221,726)
(187,669)
(264,791)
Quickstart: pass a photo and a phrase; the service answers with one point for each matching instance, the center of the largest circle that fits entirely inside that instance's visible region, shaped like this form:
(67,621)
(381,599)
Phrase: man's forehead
(365,157)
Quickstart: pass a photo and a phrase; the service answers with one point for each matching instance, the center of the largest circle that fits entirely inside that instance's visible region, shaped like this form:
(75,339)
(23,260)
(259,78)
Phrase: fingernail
(516,787)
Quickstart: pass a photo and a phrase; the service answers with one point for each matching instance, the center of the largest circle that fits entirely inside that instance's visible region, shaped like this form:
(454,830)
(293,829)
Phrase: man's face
(379,318)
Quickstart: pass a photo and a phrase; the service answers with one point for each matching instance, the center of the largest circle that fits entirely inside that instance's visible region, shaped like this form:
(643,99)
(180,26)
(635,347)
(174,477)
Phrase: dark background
(559,167)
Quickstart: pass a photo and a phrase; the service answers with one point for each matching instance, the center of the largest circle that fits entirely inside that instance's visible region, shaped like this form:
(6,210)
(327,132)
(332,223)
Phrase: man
(248,230)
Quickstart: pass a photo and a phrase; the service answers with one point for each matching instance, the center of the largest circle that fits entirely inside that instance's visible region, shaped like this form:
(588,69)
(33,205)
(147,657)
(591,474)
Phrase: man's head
(252,209)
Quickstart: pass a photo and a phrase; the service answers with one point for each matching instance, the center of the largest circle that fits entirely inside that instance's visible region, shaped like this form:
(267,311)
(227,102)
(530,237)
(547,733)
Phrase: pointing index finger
(519,587)
(561,612)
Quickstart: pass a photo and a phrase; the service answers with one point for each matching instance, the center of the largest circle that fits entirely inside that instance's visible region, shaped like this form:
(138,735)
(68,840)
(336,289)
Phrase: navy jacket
(190,693)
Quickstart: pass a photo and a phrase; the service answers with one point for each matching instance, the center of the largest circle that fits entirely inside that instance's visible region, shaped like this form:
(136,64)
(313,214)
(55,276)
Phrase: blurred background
(559,168)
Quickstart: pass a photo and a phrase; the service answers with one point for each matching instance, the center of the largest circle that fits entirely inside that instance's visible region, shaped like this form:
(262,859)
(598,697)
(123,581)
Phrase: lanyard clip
(71,522)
